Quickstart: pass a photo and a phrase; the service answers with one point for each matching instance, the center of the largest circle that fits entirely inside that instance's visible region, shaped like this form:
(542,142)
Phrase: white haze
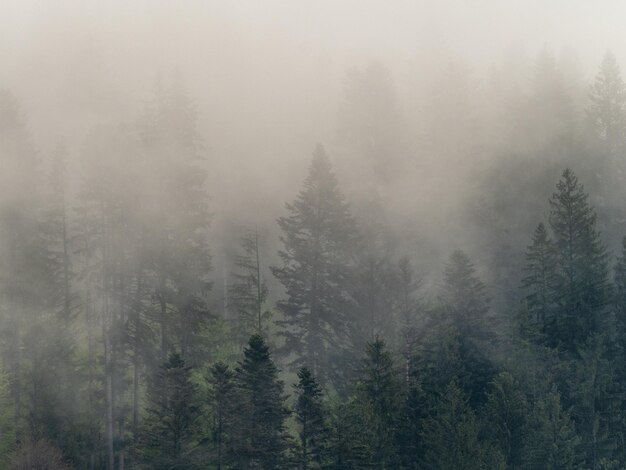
(268,77)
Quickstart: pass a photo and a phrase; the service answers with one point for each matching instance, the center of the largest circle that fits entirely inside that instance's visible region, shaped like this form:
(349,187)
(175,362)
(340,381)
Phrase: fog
(143,139)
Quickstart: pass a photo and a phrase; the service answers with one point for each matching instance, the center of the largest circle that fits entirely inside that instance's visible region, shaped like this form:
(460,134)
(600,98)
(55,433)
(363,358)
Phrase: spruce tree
(466,307)
(582,288)
(379,390)
(505,413)
(262,441)
(552,442)
(248,293)
(317,235)
(607,105)
(453,436)
(223,402)
(311,420)
(169,438)
(539,284)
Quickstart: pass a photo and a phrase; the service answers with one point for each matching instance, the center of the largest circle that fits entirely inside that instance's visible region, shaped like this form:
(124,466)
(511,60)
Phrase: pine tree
(318,235)
(607,105)
(379,389)
(597,402)
(310,417)
(552,443)
(223,401)
(175,216)
(169,438)
(581,281)
(539,285)
(262,440)
(506,413)
(467,309)
(452,436)
(248,293)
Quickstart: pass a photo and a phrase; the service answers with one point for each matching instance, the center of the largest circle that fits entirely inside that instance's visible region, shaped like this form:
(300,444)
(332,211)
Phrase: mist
(204,202)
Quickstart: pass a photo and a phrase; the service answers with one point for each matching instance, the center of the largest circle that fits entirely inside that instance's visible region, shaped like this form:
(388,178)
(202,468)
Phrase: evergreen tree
(452,436)
(552,443)
(539,284)
(607,105)
(248,293)
(175,213)
(223,400)
(597,402)
(467,310)
(262,441)
(310,417)
(506,413)
(169,438)
(581,281)
(379,389)
(318,235)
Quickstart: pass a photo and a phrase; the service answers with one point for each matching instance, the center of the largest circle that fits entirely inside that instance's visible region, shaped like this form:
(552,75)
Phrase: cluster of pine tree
(112,357)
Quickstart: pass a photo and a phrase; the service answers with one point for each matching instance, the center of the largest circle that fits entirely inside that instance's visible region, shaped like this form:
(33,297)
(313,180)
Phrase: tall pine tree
(317,235)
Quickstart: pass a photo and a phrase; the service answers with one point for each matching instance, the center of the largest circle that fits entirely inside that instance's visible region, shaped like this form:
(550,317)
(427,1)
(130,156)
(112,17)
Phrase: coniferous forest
(236,236)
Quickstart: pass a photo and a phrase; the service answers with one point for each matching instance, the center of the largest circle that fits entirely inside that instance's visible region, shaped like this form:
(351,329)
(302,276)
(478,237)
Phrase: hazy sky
(269,70)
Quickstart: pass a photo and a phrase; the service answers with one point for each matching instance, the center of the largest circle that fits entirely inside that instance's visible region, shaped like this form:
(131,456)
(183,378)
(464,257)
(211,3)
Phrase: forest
(340,263)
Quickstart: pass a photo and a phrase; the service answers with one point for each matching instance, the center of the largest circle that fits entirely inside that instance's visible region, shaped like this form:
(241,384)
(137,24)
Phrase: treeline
(112,357)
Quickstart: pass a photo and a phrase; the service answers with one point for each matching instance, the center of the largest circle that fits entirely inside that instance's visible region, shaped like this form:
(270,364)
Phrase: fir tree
(506,413)
(552,443)
(539,284)
(607,105)
(467,309)
(248,293)
(223,400)
(452,436)
(310,417)
(318,235)
(262,440)
(169,438)
(581,280)
(379,389)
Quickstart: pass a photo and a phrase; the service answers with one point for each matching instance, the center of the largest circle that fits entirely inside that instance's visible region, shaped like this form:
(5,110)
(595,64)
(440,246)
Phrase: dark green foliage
(379,391)
(262,441)
(506,415)
(582,289)
(309,413)
(539,283)
(169,434)
(452,436)
(552,443)
(223,400)
(466,308)
(317,236)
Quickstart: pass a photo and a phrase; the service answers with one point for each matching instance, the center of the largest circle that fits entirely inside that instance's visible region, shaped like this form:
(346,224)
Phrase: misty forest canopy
(442,286)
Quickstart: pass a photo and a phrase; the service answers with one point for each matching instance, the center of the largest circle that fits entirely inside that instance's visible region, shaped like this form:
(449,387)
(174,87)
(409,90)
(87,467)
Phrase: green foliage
(582,289)
(223,399)
(313,432)
(552,443)
(452,436)
(169,436)
(317,236)
(262,440)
